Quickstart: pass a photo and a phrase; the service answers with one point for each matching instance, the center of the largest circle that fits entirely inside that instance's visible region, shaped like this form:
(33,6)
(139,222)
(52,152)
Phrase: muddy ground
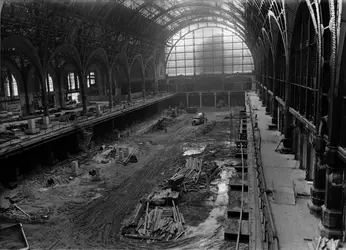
(77,212)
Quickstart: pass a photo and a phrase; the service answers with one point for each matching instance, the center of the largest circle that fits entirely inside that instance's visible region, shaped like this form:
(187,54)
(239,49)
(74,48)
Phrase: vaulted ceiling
(134,26)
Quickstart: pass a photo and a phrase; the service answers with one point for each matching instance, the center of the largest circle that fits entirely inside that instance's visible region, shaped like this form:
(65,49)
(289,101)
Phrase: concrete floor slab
(293,222)
(284,195)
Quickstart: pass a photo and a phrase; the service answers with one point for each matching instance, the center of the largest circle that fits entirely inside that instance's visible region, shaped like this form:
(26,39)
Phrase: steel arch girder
(192,22)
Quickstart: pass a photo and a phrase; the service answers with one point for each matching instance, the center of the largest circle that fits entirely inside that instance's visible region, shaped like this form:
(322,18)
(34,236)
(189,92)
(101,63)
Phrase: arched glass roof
(173,14)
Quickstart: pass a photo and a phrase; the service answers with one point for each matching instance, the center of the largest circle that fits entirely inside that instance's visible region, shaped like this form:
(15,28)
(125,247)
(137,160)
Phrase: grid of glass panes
(91,79)
(73,81)
(49,84)
(209,50)
(11,88)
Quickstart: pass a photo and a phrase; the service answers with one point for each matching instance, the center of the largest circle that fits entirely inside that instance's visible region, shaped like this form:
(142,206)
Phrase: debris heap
(187,174)
(191,177)
(162,123)
(325,244)
(159,223)
(158,218)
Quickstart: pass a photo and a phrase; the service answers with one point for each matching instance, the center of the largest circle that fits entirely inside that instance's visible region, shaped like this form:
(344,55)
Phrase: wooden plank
(146,218)
(310,246)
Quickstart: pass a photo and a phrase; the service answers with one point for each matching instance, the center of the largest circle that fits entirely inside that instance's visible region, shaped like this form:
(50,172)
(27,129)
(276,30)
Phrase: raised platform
(59,130)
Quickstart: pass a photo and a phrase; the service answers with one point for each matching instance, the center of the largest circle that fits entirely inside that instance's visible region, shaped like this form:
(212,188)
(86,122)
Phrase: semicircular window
(206,51)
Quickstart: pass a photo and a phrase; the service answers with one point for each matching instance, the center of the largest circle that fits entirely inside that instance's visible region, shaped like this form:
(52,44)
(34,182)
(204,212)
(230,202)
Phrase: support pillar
(268,102)
(215,100)
(110,89)
(25,85)
(83,95)
(43,91)
(200,100)
(317,191)
(332,216)
(288,128)
(143,86)
(274,111)
(129,94)
(229,99)
(332,211)
(187,99)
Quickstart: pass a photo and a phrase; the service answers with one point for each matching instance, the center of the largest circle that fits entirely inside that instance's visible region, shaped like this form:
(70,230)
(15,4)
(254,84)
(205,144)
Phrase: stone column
(268,102)
(44,93)
(129,89)
(278,117)
(215,100)
(274,111)
(110,88)
(319,179)
(83,94)
(229,99)
(143,86)
(200,100)
(332,215)
(332,211)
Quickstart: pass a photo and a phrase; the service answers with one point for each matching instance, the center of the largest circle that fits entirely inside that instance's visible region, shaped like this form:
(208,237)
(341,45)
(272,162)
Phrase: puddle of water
(193,148)
(228,163)
(98,195)
(209,231)
(229,144)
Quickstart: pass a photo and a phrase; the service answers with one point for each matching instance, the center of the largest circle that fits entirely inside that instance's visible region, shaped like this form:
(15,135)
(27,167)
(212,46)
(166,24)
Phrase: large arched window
(11,86)
(303,65)
(49,84)
(209,50)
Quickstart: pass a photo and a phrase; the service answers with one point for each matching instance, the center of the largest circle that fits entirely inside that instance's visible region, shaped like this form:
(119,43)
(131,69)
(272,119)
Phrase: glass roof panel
(198,30)
(133,4)
(175,8)
(173,14)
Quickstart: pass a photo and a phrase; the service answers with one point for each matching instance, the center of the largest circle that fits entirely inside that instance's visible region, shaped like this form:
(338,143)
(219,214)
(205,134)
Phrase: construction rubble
(323,243)
(117,153)
(157,217)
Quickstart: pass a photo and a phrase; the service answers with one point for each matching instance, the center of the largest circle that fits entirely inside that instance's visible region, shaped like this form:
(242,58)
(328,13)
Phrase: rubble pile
(158,218)
(325,244)
(162,123)
(188,174)
(191,178)
(205,129)
(157,224)
(118,153)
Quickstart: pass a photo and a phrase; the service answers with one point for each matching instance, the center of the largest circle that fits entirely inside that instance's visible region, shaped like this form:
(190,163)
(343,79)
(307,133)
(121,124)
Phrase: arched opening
(10,101)
(96,82)
(123,83)
(97,77)
(136,78)
(342,84)
(121,71)
(326,53)
(209,50)
(22,75)
(72,86)
(303,64)
(280,69)
(270,71)
(280,83)
(51,88)
(149,75)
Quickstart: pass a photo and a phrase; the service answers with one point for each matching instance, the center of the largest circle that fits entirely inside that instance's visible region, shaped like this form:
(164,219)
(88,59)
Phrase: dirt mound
(163,123)
(205,128)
